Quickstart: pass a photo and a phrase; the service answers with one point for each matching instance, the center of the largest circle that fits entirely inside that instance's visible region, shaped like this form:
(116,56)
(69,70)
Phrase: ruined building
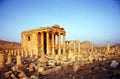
(44,40)
(52,41)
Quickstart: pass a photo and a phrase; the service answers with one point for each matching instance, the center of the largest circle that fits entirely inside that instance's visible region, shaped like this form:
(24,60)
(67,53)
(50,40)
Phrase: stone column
(26,53)
(9,59)
(78,46)
(53,43)
(64,52)
(11,51)
(19,60)
(47,34)
(42,43)
(59,42)
(2,60)
(15,52)
(107,47)
(22,53)
(18,52)
(31,53)
(69,46)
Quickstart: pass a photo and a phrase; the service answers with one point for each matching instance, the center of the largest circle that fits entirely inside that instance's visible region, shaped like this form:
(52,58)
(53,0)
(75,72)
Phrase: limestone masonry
(45,51)
(42,41)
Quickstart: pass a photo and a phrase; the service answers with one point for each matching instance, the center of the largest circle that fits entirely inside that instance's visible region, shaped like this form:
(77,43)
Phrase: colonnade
(48,43)
(69,45)
(73,45)
(20,52)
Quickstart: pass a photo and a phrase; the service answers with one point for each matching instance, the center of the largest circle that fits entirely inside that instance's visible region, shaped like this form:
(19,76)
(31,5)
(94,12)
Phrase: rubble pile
(87,65)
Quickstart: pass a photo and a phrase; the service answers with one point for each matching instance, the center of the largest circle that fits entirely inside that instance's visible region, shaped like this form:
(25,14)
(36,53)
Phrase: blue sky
(95,20)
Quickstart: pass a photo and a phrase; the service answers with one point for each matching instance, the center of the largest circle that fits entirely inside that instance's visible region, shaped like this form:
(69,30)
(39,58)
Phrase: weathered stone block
(76,67)
(41,69)
(34,77)
(22,74)
(114,64)
(13,76)
(50,71)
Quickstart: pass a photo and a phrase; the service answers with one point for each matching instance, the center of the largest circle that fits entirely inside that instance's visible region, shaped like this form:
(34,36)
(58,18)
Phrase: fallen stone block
(16,68)
(31,69)
(22,75)
(41,69)
(13,76)
(114,64)
(7,74)
(65,66)
(34,77)
(50,71)
(104,58)
(76,67)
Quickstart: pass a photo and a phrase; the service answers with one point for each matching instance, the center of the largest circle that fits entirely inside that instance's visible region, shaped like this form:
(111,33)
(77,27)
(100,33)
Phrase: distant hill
(87,44)
(116,44)
(9,45)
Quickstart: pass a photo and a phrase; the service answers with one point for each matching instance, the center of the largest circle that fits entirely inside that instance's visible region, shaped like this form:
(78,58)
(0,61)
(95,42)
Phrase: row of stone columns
(3,62)
(53,43)
(21,52)
(53,39)
(75,43)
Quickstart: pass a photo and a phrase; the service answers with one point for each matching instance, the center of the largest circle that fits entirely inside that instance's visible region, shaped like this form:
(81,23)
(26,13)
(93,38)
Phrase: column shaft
(2,58)
(107,47)
(47,42)
(42,43)
(59,42)
(64,52)
(53,43)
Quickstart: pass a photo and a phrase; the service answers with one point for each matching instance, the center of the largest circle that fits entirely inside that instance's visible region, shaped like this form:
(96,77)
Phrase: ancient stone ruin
(42,41)
(46,54)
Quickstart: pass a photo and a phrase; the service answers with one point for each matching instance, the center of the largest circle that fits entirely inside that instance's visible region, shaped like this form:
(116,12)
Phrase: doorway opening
(45,43)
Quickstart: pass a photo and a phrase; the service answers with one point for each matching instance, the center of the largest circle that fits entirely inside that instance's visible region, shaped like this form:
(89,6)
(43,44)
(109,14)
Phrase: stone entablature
(54,29)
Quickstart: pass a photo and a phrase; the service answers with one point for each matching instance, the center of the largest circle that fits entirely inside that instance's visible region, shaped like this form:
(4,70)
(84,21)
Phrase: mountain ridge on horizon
(4,44)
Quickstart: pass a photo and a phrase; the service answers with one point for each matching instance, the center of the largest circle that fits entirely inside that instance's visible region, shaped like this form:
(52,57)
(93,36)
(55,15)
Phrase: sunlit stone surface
(46,54)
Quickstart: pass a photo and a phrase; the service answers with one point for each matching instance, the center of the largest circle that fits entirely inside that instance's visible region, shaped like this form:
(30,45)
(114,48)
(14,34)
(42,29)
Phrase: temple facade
(44,40)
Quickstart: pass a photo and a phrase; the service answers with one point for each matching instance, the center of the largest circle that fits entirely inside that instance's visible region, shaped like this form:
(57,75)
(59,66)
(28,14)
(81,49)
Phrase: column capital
(64,34)
(59,33)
